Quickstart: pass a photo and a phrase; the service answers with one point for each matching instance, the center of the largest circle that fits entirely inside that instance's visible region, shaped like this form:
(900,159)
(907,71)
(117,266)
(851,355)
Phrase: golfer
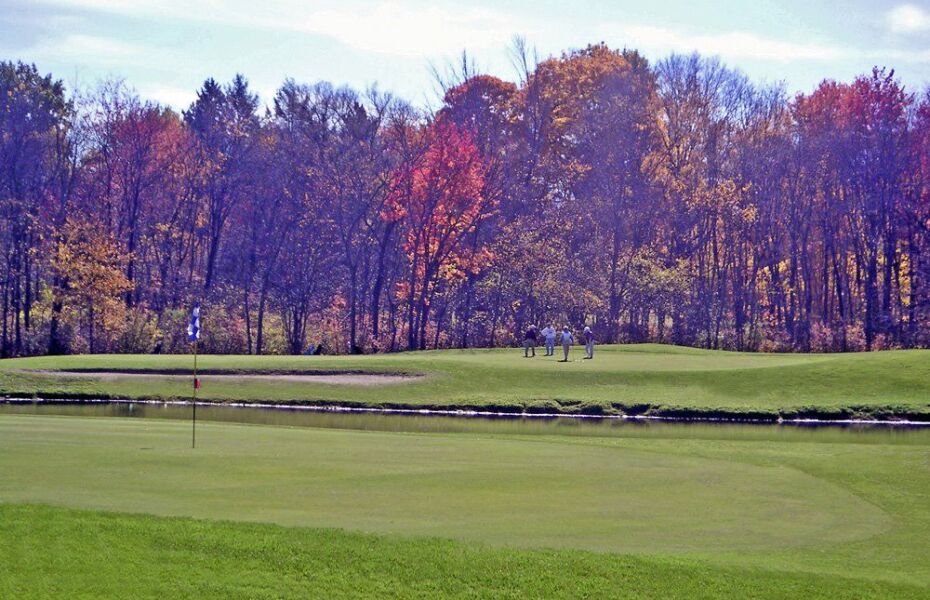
(588,343)
(567,340)
(549,335)
(529,342)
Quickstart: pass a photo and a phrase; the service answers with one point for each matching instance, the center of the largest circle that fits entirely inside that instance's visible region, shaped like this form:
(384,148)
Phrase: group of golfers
(551,336)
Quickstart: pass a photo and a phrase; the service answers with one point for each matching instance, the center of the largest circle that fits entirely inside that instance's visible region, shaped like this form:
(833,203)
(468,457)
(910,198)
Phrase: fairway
(819,514)
(634,379)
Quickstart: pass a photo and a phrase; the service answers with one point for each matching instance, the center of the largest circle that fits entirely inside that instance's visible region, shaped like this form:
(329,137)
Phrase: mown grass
(636,379)
(528,492)
(456,515)
(61,553)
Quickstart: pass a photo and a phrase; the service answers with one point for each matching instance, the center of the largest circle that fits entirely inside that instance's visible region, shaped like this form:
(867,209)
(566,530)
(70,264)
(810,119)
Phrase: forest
(675,201)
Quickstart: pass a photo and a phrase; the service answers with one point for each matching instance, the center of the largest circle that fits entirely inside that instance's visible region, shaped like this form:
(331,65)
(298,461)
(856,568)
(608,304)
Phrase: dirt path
(365,379)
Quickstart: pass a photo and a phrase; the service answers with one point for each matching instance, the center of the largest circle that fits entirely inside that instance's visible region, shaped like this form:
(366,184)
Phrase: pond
(497,425)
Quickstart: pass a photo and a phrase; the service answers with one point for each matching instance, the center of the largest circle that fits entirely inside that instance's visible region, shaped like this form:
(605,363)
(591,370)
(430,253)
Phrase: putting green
(528,492)
(634,379)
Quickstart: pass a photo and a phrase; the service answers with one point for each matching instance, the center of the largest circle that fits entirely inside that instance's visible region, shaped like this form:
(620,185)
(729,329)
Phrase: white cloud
(733,45)
(83,50)
(108,57)
(100,51)
(424,28)
(908,18)
(421,28)
(410,28)
(80,48)
(175,97)
(893,57)
(741,45)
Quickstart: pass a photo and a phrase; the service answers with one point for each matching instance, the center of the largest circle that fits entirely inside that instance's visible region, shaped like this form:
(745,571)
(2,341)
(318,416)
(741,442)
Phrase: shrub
(140,332)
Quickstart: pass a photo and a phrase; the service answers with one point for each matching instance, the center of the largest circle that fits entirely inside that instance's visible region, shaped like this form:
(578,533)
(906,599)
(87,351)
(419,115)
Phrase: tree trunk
(259,338)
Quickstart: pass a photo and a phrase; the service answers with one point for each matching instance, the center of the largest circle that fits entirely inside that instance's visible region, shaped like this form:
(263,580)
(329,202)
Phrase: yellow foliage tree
(92,267)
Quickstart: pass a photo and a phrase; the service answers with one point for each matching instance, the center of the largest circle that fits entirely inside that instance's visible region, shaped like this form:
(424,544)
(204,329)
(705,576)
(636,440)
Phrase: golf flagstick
(194,402)
(193,335)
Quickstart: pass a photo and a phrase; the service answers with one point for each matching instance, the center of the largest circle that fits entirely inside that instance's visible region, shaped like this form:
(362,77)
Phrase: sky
(165,49)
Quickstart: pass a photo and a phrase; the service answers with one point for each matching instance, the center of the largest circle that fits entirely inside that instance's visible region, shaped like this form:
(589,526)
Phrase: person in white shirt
(567,340)
(588,343)
(549,337)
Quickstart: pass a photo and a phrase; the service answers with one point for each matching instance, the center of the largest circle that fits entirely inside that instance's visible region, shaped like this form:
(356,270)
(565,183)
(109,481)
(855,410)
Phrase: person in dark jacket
(529,342)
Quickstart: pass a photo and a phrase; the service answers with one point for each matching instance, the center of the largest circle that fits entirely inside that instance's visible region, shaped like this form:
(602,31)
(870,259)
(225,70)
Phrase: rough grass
(60,553)
(376,514)
(636,379)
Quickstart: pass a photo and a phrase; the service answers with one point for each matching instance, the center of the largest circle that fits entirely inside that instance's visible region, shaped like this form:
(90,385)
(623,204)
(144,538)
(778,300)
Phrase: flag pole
(194,402)
(193,335)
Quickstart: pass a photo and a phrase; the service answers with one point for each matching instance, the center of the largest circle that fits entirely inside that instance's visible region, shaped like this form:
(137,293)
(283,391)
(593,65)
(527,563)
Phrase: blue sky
(166,48)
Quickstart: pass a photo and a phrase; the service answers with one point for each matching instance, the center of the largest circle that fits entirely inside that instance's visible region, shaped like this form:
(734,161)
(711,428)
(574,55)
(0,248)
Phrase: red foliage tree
(437,197)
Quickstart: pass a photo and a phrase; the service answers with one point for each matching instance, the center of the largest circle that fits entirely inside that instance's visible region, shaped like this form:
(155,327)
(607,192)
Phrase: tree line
(674,202)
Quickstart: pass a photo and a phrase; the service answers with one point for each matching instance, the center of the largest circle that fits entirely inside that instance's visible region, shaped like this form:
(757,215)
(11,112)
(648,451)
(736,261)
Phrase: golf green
(798,513)
(524,492)
(634,379)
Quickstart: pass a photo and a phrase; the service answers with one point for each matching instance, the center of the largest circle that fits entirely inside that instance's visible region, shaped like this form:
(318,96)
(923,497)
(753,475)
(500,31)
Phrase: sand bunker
(365,379)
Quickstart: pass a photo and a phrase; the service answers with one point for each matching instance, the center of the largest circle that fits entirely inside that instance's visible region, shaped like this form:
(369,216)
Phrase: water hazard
(498,425)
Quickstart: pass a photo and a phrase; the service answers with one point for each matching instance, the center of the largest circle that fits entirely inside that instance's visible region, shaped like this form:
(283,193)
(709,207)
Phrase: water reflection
(419,423)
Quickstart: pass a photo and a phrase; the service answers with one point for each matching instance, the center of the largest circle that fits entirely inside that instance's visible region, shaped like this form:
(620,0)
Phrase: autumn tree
(92,266)
(224,121)
(136,184)
(438,199)
(916,223)
(490,108)
(617,129)
(876,121)
(700,103)
(34,118)
(676,201)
